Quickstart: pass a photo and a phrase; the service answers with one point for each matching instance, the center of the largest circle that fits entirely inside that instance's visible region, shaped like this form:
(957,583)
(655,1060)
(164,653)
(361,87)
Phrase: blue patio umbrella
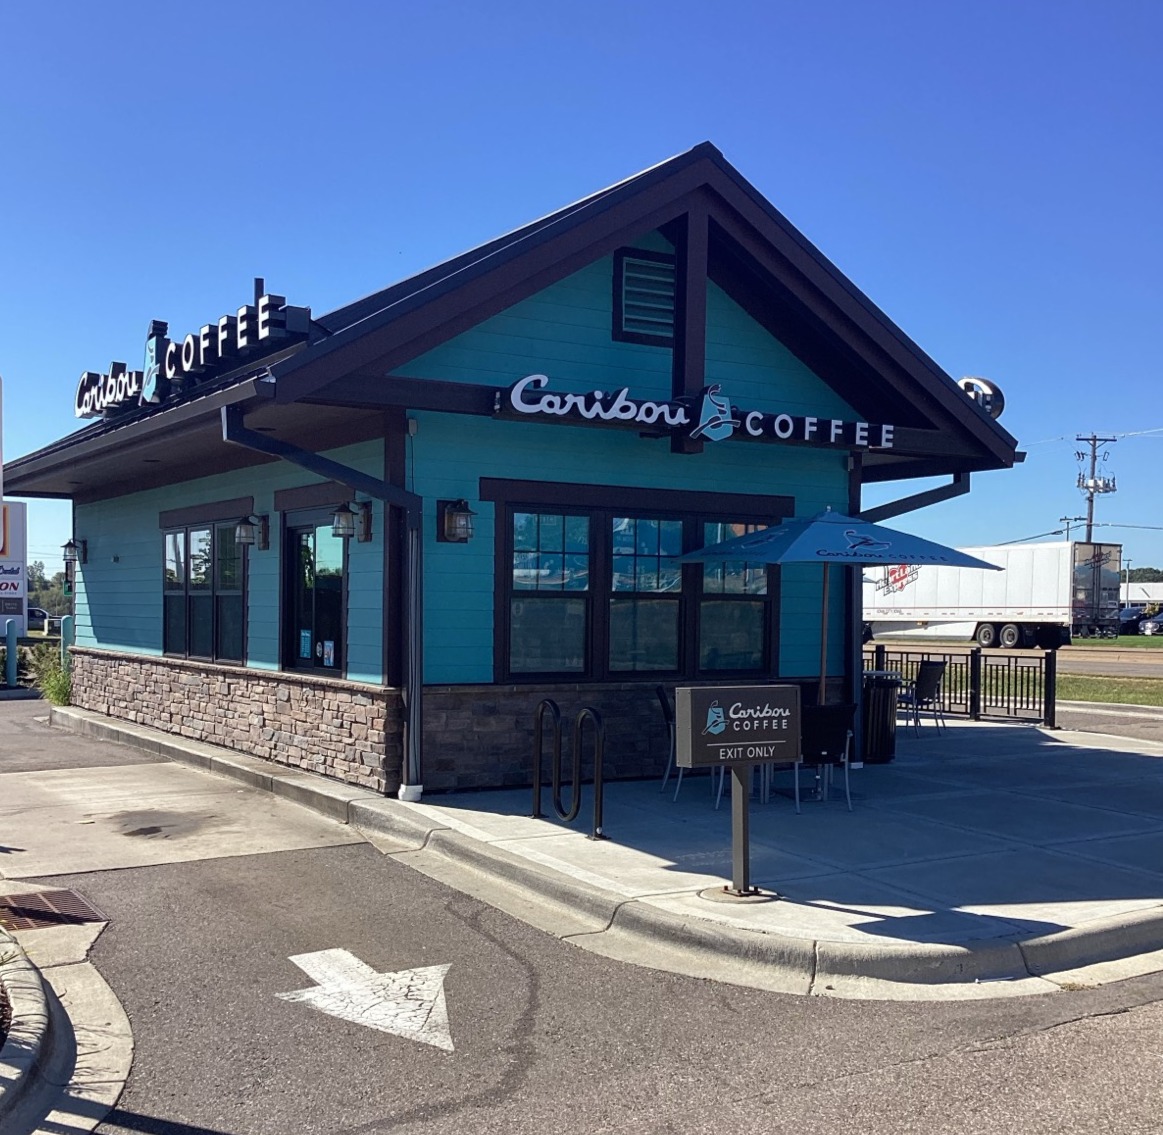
(832,538)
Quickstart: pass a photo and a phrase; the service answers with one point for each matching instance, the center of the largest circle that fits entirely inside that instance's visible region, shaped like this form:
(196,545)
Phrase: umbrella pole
(823,640)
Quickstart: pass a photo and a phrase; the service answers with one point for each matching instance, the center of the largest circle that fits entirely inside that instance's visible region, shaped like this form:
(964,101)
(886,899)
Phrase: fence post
(1050,691)
(879,657)
(975,683)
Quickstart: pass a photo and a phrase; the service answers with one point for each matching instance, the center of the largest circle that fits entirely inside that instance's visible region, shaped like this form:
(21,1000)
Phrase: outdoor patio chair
(667,705)
(766,772)
(826,743)
(924,692)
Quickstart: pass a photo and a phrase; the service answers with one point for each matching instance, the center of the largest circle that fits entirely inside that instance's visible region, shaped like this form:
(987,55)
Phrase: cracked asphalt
(547,1036)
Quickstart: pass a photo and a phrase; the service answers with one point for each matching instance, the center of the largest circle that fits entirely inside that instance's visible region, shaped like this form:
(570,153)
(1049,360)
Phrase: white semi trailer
(1045,594)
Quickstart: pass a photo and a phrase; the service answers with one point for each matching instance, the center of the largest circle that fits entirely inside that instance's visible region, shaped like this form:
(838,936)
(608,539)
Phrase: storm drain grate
(46,908)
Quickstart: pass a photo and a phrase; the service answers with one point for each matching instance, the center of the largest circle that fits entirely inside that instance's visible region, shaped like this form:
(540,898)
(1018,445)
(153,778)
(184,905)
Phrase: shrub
(48,675)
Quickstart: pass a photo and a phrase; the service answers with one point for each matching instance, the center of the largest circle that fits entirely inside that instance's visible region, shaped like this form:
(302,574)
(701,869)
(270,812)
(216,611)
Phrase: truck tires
(1010,636)
(986,635)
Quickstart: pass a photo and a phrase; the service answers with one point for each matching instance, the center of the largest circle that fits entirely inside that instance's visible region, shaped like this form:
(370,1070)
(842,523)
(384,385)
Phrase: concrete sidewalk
(989,860)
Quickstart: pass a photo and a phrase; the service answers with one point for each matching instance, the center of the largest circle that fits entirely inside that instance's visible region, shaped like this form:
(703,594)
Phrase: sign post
(737,727)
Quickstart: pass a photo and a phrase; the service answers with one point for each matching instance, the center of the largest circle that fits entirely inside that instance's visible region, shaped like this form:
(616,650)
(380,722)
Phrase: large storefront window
(598,594)
(204,608)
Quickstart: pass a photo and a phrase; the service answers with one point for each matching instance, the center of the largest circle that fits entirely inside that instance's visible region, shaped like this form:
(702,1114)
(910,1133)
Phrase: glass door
(315,560)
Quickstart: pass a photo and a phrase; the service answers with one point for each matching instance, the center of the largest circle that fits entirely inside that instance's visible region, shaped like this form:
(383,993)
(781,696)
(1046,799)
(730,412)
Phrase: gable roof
(755,253)
(750,250)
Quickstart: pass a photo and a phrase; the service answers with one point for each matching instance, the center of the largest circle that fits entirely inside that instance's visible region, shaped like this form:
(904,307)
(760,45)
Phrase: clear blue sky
(990,174)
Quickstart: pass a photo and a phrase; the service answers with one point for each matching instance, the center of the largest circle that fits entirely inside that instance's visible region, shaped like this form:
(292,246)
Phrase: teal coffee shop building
(367,543)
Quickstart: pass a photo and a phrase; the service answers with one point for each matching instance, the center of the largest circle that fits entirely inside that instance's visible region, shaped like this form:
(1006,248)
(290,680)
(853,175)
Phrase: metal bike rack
(549,706)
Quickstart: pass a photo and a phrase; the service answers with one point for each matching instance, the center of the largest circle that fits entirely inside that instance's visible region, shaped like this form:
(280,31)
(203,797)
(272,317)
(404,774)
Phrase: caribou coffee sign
(710,416)
(173,366)
(728,725)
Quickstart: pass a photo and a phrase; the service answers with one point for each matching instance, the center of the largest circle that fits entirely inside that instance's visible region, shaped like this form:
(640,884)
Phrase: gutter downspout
(234,432)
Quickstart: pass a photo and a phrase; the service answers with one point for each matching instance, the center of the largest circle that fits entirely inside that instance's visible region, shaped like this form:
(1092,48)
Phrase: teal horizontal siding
(451,454)
(119,601)
(756,371)
(563,331)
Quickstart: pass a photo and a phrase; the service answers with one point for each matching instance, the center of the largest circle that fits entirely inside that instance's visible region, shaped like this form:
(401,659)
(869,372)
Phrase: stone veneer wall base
(345,730)
(474,736)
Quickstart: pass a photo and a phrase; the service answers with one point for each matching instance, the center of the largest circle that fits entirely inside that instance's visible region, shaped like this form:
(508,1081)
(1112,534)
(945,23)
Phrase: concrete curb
(1104,940)
(810,965)
(28,1040)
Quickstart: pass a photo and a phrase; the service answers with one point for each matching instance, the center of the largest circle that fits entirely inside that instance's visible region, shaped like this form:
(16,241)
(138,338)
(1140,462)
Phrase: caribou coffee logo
(172,365)
(718,419)
(715,421)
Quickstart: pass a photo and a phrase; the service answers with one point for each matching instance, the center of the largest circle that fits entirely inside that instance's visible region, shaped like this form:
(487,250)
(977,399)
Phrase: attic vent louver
(644,297)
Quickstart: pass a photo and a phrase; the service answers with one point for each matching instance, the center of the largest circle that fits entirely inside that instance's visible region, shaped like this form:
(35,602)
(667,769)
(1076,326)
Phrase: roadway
(212,889)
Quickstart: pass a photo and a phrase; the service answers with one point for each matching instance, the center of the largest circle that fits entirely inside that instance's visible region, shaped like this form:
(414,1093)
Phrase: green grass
(1123,642)
(1120,691)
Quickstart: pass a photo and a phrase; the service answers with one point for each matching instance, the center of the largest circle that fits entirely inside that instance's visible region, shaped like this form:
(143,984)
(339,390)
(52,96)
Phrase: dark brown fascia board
(421,330)
(910,468)
(771,227)
(325,494)
(234,509)
(756,255)
(739,506)
(689,354)
(883,348)
(906,385)
(512,273)
(375,391)
(779,313)
(369,305)
(178,418)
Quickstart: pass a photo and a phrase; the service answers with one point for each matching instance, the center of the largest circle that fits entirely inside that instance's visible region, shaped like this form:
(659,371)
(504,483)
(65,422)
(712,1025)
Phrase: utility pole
(1068,521)
(1128,563)
(1093,485)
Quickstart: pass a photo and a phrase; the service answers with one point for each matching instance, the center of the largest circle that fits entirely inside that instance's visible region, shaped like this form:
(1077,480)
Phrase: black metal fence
(980,683)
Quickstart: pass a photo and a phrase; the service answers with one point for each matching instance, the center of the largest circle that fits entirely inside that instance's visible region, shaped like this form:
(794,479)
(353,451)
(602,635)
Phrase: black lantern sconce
(76,552)
(253,532)
(354,519)
(453,522)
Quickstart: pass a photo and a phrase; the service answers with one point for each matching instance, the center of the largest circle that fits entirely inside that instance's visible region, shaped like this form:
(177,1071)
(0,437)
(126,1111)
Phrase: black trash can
(881,688)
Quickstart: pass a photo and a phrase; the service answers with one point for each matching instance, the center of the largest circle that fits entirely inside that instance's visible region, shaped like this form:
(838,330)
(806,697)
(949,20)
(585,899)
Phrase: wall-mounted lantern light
(454,522)
(253,532)
(76,552)
(354,519)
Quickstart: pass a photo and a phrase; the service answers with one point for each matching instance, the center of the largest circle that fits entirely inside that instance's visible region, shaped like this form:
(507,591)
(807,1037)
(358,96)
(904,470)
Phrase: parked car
(1152,624)
(1130,618)
(37,618)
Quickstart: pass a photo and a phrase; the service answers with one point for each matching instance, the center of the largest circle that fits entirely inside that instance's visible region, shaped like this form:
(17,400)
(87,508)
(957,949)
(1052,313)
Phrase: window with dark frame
(203,595)
(550,592)
(733,608)
(596,594)
(645,594)
(315,595)
(644,291)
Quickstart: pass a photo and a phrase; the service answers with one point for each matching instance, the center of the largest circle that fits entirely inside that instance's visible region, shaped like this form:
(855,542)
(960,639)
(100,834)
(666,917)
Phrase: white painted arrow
(409,1003)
